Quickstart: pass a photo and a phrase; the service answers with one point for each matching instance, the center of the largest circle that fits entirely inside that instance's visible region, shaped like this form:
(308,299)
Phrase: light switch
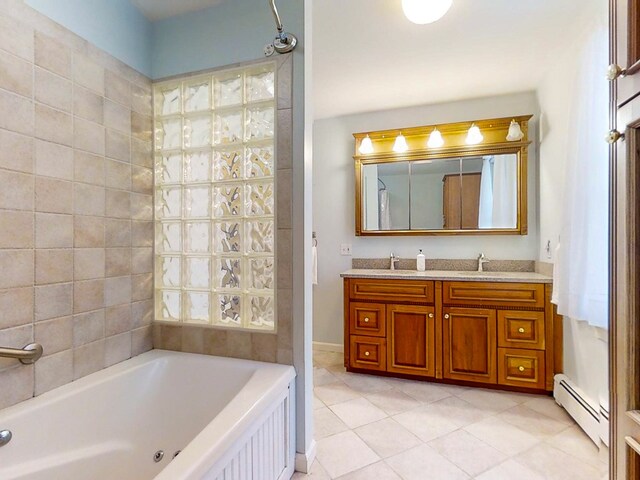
(345,249)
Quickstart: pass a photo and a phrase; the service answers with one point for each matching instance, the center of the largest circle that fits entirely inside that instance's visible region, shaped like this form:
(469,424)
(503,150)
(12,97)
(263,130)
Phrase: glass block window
(215,199)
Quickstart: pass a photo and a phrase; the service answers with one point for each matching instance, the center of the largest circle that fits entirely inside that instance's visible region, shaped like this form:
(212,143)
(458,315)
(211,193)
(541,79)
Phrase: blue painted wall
(115,26)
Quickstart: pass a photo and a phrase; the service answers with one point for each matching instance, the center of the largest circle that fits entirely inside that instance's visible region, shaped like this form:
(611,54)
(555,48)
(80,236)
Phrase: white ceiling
(367,56)
(161,9)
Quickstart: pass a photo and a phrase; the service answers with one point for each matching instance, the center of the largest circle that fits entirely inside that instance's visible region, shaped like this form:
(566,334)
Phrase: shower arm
(284,42)
(276,16)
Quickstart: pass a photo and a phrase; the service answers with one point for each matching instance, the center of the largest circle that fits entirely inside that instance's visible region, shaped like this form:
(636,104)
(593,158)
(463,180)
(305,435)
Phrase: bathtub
(228,418)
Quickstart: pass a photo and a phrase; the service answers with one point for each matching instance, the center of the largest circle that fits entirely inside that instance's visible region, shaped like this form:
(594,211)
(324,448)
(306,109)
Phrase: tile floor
(374,428)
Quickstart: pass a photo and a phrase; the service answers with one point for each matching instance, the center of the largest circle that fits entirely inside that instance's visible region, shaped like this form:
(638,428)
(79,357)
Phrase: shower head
(284,42)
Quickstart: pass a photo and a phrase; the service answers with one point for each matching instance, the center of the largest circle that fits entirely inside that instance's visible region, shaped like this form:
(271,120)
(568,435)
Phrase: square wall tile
(16,307)
(52,55)
(53,90)
(17,231)
(53,371)
(54,231)
(54,196)
(17,74)
(88,359)
(16,113)
(54,266)
(55,335)
(17,190)
(53,125)
(17,152)
(88,231)
(17,267)
(53,160)
(88,295)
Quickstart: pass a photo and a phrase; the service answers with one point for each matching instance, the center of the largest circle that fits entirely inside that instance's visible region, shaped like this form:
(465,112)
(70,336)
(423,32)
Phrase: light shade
(400,145)
(366,146)
(425,11)
(474,136)
(435,139)
(515,132)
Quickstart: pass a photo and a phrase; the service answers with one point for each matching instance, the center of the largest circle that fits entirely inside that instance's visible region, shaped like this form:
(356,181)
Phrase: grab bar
(27,355)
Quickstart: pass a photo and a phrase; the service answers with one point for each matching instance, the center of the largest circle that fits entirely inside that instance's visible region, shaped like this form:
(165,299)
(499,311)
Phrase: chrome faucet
(481,261)
(393,259)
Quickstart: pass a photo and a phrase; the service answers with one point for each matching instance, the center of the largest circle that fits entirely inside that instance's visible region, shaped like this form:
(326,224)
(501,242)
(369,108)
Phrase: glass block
(169,168)
(259,198)
(259,236)
(229,310)
(197,96)
(197,131)
(169,203)
(169,134)
(259,161)
(228,90)
(169,305)
(228,273)
(259,123)
(260,86)
(198,272)
(262,312)
(228,127)
(171,238)
(197,237)
(227,237)
(227,201)
(227,164)
(197,201)
(261,273)
(197,305)
(169,271)
(168,100)
(197,167)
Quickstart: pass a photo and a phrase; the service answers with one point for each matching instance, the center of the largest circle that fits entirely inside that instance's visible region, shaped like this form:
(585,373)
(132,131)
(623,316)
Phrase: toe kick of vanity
(502,334)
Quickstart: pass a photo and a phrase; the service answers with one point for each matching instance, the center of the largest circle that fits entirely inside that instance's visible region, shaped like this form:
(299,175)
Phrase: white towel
(555,292)
(314,264)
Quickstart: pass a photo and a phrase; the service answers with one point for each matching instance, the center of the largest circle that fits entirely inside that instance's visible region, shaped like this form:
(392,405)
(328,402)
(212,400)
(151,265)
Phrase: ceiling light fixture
(474,136)
(425,11)
(515,132)
(366,146)
(400,145)
(435,139)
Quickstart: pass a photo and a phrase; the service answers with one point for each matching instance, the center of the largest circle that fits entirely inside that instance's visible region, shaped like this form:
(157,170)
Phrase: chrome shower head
(284,42)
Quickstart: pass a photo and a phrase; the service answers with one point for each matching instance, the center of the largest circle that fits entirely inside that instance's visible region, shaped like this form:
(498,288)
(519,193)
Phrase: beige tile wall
(266,347)
(76,181)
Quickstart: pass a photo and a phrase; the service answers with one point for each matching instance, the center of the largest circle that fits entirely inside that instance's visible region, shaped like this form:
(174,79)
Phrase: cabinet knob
(521,368)
(366,354)
(446,315)
(366,319)
(613,136)
(431,315)
(614,71)
(521,330)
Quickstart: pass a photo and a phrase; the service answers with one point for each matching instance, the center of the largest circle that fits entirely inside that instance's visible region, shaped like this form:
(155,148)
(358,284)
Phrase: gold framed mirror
(465,178)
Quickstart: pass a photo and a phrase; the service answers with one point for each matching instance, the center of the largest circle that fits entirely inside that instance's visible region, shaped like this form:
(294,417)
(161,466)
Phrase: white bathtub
(231,418)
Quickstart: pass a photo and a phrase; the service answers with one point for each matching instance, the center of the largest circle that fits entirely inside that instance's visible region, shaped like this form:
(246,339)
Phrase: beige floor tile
(458,411)
(337,368)
(344,453)
(317,403)
(317,472)
(554,464)
(532,422)
(326,423)
(326,359)
(357,412)
(425,424)
(334,393)
(502,435)
(387,437)
(467,452)
(510,470)
(422,391)
(549,407)
(423,462)
(322,377)
(575,442)
(393,401)
(491,401)
(377,471)
(363,383)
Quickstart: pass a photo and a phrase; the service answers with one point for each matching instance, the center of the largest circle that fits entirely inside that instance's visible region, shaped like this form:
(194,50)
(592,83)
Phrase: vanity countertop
(520,277)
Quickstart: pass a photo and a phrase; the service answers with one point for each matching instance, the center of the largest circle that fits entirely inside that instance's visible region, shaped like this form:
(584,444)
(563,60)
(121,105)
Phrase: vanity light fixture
(474,136)
(435,139)
(400,145)
(425,11)
(366,146)
(515,132)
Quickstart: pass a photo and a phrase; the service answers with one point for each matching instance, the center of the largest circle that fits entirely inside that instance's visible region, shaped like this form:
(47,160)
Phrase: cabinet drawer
(367,352)
(367,319)
(521,329)
(493,293)
(521,368)
(391,290)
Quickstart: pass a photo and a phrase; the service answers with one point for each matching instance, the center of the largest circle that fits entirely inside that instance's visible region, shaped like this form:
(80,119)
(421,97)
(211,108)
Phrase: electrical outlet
(345,249)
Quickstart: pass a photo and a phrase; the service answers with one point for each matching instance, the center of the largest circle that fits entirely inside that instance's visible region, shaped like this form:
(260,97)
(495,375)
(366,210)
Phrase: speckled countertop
(523,277)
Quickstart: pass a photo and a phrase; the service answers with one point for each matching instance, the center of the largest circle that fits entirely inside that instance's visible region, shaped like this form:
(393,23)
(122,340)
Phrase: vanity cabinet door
(469,350)
(411,340)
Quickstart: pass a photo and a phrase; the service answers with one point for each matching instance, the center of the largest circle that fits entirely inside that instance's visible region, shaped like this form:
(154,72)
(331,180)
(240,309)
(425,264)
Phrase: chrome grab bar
(27,355)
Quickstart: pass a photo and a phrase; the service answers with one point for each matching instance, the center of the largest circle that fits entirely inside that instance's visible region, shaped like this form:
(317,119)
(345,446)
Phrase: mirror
(477,189)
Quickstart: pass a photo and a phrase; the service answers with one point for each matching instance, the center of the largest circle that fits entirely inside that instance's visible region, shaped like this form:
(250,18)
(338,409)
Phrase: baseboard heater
(594,420)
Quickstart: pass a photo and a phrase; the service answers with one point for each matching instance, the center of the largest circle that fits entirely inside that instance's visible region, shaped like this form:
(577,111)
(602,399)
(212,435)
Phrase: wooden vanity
(441,326)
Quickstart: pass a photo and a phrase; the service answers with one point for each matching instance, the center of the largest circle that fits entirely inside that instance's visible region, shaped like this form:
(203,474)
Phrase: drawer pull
(366,319)
(446,315)
(366,354)
(431,315)
(521,368)
(521,330)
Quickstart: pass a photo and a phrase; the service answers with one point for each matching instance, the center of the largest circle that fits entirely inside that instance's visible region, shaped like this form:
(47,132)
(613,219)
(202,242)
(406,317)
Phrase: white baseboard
(328,347)
(304,460)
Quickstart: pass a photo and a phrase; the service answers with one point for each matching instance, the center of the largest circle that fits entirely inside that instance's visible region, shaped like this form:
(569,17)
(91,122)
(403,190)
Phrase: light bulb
(515,132)
(474,136)
(400,145)
(435,139)
(425,11)
(366,146)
